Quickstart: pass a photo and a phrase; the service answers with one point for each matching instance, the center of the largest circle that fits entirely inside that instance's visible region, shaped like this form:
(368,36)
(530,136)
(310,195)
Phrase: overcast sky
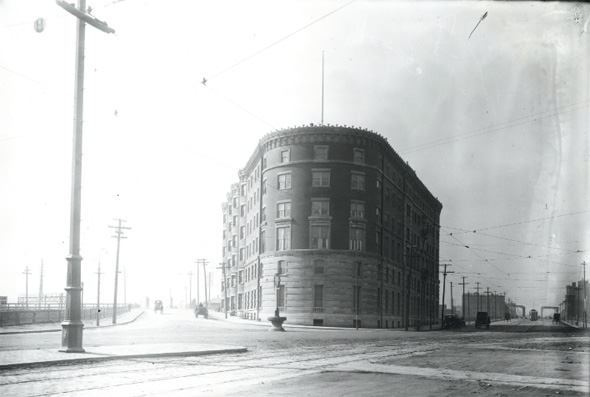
(493,120)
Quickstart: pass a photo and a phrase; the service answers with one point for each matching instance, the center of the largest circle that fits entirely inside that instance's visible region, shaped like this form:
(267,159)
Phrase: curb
(100,357)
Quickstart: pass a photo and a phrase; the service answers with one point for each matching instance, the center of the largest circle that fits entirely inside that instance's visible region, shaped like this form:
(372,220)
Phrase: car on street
(452,321)
(201,310)
(158,306)
(482,319)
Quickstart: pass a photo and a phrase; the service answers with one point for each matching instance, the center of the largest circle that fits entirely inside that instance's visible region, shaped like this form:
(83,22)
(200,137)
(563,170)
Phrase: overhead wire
(496,127)
(278,41)
(513,240)
(530,220)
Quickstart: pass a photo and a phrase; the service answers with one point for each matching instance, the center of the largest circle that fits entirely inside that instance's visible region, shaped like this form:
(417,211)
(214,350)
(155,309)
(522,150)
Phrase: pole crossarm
(89,19)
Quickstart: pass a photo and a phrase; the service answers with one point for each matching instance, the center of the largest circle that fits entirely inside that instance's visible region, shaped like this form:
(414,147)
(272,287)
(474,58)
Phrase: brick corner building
(330,224)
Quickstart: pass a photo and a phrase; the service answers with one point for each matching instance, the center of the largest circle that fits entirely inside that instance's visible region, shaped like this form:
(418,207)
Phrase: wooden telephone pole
(445,272)
(119,236)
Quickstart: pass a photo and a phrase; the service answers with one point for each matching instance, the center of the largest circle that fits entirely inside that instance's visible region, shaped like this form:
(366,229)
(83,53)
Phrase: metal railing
(14,314)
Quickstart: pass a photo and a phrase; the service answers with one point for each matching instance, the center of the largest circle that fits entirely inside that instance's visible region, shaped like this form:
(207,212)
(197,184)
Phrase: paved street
(519,358)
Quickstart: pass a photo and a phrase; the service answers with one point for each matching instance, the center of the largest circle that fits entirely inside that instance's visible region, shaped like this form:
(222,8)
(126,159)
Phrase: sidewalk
(38,357)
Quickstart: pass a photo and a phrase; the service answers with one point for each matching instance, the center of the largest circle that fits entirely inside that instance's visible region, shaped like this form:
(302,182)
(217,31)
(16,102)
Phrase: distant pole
(119,236)
(205,281)
(477,297)
(98,296)
(190,289)
(40,285)
(72,325)
(322,87)
(496,304)
(26,273)
(488,300)
(585,318)
(225,289)
(463,300)
(198,262)
(443,295)
(209,277)
(452,305)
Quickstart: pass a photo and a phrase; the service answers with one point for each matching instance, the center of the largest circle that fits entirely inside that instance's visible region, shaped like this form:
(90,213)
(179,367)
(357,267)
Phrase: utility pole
(445,272)
(119,236)
(225,288)
(98,296)
(40,285)
(190,289)
(198,262)
(477,297)
(205,281)
(204,262)
(585,301)
(488,300)
(209,277)
(463,298)
(496,304)
(27,273)
(452,305)
(72,325)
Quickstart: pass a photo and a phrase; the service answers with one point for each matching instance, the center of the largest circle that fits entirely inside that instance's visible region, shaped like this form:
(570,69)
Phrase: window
(242,232)
(320,152)
(264,187)
(262,242)
(281,298)
(284,181)
(320,207)
(281,267)
(283,238)
(357,237)
(320,178)
(357,181)
(284,209)
(285,155)
(263,216)
(242,251)
(233,260)
(319,266)
(320,236)
(235,220)
(234,240)
(357,210)
(243,210)
(318,296)
(359,156)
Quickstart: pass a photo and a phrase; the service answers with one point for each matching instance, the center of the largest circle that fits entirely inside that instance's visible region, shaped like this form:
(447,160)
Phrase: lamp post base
(277,323)
(72,337)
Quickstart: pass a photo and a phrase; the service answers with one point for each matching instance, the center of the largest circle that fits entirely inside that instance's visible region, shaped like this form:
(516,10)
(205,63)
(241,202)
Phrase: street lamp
(72,325)
(277,320)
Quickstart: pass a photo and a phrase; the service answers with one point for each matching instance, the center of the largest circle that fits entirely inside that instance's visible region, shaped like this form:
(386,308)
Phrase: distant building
(493,304)
(331,225)
(572,308)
